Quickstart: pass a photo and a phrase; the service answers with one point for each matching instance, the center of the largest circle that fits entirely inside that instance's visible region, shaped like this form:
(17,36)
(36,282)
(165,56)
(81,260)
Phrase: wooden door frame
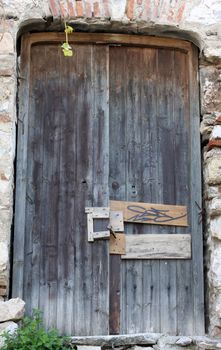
(97,38)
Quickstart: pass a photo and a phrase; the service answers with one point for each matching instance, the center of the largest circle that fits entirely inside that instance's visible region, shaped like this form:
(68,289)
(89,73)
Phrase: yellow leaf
(67,53)
(68,29)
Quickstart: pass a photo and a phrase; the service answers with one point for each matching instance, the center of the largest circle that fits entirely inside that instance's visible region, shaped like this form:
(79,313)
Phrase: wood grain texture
(107,38)
(113,122)
(150,213)
(118,244)
(157,246)
(62,162)
(151,128)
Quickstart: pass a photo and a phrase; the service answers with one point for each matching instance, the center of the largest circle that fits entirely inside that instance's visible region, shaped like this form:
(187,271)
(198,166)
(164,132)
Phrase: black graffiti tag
(152,214)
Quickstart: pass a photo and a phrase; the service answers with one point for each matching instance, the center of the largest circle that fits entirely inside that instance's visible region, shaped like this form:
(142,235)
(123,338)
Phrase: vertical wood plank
(196,194)
(117,184)
(21,164)
(150,297)
(100,250)
(167,179)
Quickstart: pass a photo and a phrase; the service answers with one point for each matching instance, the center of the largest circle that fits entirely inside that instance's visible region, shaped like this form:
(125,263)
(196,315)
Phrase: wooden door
(112,122)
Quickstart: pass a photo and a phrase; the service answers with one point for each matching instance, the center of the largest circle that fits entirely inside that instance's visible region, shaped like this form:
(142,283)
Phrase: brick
(214,143)
(130,9)
(54,8)
(88,9)
(70,9)
(97,10)
(79,8)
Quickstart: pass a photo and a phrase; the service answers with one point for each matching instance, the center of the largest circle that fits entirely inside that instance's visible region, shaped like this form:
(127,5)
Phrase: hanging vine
(66,48)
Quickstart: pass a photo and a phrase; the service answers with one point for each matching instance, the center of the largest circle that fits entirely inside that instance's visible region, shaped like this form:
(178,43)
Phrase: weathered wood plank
(21,168)
(150,213)
(150,186)
(157,246)
(117,185)
(196,194)
(182,141)
(116,221)
(118,244)
(100,263)
(168,179)
(106,38)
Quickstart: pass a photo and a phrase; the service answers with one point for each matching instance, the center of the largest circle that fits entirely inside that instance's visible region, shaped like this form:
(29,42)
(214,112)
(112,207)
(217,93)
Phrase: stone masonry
(196,20)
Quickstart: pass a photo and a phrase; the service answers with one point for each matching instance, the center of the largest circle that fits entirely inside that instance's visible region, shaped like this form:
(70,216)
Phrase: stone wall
(195,20)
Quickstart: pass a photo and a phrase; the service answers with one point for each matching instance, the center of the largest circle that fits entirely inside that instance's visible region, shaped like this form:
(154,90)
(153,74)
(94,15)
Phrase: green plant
(32,336)
(66,48)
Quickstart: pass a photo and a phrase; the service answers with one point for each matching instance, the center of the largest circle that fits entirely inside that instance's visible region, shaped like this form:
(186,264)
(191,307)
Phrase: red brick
(71,9)
(79,7)
(218,120)
(97,10)
(53,8)
(63,10)
(214,143)
(88,9)
(146,11)
(156,8)
(180,11)
(130,9)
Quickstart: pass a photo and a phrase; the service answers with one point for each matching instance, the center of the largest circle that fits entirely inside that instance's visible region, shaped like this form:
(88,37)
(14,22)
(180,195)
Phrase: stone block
(7,95)
(216,132)
(9,327)
(136,347)
(4,260)
(211,192)
(169,343)
(209,345)
(205,129)
(212,170)
(215,267)
(215,207)
(12,310)
(5,224)
(215,227)
(4,264)
(88,347)
(210,89)
(7,44)
(184,341)
(7,65)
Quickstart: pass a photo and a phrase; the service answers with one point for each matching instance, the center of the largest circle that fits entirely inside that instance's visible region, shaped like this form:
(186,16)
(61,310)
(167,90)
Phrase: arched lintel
(142,28)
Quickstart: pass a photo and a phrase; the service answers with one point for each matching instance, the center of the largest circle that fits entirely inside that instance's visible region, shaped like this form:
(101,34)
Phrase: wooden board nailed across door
(111,122)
